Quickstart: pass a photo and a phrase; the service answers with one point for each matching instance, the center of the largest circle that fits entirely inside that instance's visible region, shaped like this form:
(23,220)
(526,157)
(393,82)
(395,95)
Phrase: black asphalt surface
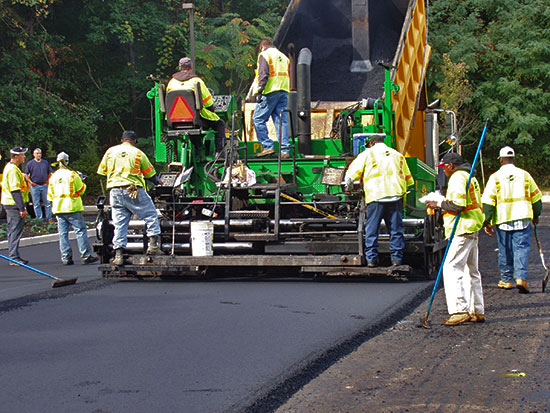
(193,346)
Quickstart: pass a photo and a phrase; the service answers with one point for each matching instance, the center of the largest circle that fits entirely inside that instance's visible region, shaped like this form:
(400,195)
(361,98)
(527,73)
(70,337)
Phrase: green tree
(505,43)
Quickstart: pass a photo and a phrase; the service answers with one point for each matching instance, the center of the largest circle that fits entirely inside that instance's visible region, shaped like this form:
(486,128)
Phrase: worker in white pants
(461,276)
(460,271)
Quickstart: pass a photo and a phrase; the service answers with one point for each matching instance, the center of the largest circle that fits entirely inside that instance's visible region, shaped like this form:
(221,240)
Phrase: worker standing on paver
(511,200)
(125,167)
(273,82)
(15,194)
(461,275)
(385,176)
(65,190)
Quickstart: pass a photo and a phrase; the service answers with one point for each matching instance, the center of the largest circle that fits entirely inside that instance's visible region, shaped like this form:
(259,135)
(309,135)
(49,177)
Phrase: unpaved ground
(499,366)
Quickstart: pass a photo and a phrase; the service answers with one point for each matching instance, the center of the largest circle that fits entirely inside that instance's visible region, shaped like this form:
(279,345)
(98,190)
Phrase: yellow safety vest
(13,180)
(471,218)
(278,71)
(207,99)
(65,189)
(383,170)
(125,164)
(513,191)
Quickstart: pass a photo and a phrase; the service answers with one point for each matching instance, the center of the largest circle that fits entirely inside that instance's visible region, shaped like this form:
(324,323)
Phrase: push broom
(424,320)
(58,282)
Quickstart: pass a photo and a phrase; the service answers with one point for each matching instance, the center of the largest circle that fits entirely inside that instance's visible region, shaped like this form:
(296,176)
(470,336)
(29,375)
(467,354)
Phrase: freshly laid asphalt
(191,346)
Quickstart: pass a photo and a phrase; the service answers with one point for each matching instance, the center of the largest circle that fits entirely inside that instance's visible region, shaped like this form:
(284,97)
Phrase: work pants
(461,276)
(122,209)
(15,231)
(392,214)
(76,220)
(219,127)
(272,105)
(513,253)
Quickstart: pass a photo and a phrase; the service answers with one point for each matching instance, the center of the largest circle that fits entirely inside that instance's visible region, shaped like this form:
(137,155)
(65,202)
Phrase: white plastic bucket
(202,238)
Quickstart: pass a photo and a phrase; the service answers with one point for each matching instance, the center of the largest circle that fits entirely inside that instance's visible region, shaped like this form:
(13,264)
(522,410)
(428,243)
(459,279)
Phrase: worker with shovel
(461,276)
(511,200)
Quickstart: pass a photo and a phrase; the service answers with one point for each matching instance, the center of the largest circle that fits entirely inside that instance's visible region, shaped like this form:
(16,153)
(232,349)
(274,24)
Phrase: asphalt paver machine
(235,214)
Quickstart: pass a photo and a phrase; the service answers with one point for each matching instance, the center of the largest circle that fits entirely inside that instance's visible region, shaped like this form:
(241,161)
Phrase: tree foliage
(506,46)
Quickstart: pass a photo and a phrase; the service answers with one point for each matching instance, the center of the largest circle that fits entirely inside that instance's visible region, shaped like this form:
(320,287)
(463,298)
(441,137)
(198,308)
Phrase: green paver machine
(238,214)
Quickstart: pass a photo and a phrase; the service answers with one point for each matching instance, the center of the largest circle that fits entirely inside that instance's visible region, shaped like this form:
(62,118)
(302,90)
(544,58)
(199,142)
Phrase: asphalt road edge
(283,388)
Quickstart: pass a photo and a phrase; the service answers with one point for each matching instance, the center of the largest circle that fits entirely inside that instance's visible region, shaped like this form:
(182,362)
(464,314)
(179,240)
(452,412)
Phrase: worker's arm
(263,74)
(537,210)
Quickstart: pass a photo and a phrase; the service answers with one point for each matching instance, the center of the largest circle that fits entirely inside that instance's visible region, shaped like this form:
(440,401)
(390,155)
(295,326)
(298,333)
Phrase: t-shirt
(38,171)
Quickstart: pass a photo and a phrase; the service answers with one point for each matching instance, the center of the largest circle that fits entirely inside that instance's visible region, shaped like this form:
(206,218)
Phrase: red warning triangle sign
(181,112)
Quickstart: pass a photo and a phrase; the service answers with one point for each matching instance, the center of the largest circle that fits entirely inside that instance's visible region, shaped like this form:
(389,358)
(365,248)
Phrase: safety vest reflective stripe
(147,170)
(278,71)
(473,205)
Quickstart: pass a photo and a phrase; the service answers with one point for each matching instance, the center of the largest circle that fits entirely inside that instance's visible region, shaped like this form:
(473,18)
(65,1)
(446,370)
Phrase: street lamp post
(191,8)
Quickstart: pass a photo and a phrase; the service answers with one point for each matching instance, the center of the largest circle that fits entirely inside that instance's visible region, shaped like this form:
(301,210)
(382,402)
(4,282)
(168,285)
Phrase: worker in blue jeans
(273,85)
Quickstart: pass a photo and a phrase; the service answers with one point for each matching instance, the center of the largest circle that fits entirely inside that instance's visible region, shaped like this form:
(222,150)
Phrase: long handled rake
(545,280)
(424,320)
(58,282)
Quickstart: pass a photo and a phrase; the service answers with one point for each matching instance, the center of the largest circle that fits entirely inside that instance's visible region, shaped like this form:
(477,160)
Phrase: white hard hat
(507,152)
(62,156)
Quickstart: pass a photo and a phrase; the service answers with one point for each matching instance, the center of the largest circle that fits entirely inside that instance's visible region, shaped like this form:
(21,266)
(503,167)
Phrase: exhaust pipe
(303,106)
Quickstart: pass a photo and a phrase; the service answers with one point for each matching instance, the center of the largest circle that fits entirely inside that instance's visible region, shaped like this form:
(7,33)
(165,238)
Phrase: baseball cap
(129,134)
(506,152)
(18,150)
(451,157)
(62,156)
(185,61)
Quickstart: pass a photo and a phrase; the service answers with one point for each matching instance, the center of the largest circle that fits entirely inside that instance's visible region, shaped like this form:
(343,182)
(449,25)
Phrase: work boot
(456,319)
(154,245)
(522,286)
(119,258)
(477,318)
(506,285)
(265,152)
(90,259)
(373,263)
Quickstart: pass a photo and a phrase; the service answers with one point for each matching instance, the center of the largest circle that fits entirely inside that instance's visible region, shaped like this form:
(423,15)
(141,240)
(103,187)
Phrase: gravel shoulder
(501,365)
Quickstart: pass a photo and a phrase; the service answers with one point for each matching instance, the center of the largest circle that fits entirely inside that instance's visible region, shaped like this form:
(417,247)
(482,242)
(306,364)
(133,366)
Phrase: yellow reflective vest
(513,192)
(207,99)
(65,189)
(13,180)
(471,218)
(124,165)
(278,71)
(383,170)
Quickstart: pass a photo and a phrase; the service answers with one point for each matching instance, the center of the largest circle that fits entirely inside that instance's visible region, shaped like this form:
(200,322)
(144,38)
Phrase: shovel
(59,282)
(545,280)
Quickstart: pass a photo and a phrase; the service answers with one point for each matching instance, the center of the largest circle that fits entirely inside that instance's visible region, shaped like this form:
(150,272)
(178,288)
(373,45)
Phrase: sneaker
(456,319)
(505,285)
(522,286)
(265,152)
(477,318)
(19,260)
(68,262)
(90,259)
(395,262)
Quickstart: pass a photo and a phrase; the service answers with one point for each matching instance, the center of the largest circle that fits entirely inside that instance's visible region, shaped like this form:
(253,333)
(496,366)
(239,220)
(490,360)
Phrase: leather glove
(132,191)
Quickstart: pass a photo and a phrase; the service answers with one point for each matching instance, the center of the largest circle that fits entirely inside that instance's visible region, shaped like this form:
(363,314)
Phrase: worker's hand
(259,97)
(23,214)
(489,230)
(348,184)
(535,221)
(432,204)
